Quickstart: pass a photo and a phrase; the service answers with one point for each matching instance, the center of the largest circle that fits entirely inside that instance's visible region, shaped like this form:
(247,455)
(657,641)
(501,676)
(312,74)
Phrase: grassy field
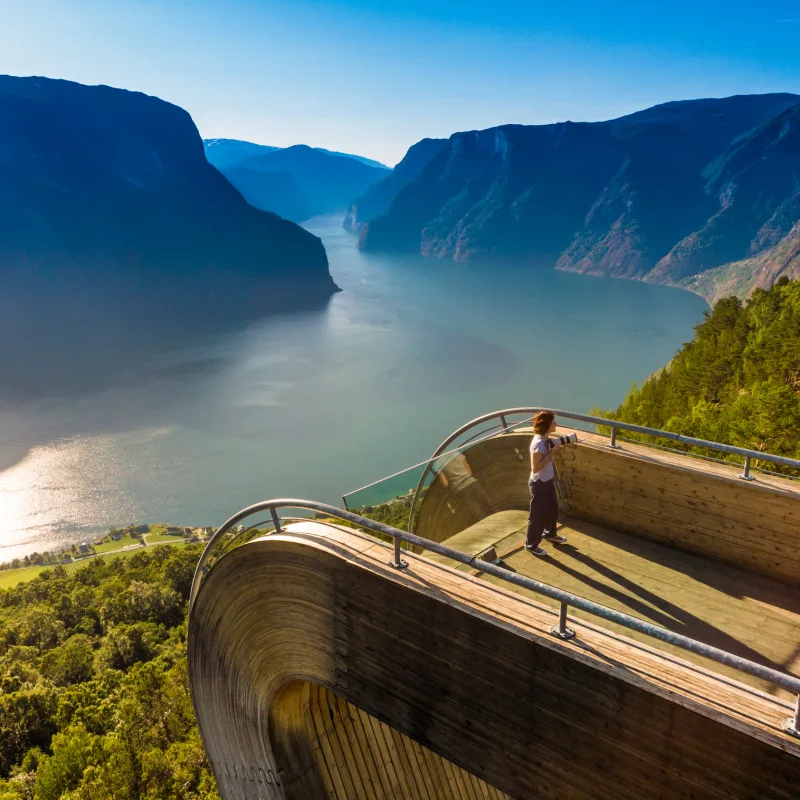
(126,554)
(11,577)
(125,541)
(162,538)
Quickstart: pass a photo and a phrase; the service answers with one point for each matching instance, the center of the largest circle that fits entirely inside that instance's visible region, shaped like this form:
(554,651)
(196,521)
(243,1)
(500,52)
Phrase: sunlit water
(319,403)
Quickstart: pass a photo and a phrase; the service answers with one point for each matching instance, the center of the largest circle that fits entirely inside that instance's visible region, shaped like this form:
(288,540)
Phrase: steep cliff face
(376,200)
(660,194)
(653,200)
(104,181)
(755,189)
(501,192)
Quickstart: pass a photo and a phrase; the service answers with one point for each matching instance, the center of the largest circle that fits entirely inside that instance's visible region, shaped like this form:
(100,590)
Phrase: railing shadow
(670,615)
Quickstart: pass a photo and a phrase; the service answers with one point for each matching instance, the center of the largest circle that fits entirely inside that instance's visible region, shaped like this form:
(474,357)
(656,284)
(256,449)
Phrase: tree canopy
(94,690)
(737,381)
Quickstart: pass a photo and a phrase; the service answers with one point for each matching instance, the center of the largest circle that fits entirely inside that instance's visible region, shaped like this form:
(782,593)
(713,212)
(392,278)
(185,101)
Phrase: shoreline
(118,542)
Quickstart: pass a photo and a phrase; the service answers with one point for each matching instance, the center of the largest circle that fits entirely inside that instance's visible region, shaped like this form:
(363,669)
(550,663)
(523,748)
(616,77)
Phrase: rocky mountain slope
(665,194)
(755,188)
(375,201)
(103,182)
(296,182)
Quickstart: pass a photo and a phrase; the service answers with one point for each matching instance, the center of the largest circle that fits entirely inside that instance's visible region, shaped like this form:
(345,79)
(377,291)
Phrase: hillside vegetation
(94,690)
(738,381)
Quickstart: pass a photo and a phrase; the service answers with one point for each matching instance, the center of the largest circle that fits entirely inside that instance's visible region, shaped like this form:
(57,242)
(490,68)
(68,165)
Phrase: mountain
(311,180)
(370,162)
(376,200)
(755,188)
(103,183)
(223,153)
(663,194)
(272,190)
(500,192)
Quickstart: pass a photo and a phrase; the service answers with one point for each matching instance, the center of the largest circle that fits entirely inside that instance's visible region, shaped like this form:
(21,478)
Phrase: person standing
(543,515)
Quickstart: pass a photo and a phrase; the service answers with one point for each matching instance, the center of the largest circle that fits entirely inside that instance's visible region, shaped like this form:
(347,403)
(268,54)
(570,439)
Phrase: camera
(558,441)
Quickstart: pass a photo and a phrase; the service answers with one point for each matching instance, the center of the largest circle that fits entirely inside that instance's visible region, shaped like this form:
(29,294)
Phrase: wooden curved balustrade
(301,643)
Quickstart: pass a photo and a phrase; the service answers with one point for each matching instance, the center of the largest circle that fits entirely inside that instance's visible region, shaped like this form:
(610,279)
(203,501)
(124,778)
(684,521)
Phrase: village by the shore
(117,542)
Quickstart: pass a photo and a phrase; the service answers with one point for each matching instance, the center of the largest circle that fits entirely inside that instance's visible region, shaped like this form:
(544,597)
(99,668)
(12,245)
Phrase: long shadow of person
(669,615)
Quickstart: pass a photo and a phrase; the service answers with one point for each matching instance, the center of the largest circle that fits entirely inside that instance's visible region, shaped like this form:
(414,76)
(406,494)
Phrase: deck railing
(504,427)
(227,535)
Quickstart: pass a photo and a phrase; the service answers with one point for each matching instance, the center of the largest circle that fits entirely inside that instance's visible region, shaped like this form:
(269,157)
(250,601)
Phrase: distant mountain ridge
(225,151)
(665,194)
(106,181)
(295,182)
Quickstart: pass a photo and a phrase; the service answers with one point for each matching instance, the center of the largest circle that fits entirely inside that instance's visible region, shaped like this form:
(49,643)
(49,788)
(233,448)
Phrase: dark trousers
(543,514)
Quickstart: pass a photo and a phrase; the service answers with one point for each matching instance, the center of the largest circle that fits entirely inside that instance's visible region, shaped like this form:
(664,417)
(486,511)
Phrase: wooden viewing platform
(319,670)
(462,668)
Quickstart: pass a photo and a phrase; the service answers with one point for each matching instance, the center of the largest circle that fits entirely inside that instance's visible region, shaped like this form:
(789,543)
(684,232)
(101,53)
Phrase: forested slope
(94,691)
(738,381)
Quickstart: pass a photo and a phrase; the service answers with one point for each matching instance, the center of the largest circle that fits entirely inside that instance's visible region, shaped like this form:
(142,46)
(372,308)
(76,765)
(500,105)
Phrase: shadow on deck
(750,615)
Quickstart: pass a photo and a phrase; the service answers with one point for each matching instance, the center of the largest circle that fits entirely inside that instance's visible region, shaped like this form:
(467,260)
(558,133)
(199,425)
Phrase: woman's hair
(542,422)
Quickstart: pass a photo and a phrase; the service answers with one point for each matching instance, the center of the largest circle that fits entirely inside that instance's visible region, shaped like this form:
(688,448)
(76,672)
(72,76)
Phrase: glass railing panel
(458,490)
(463,490)
(389,500)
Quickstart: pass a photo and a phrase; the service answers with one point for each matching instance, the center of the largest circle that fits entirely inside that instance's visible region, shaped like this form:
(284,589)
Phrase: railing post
(561,630)
(503,420)
(613,442)
(793,725)
(746,476)
(276,520)
(398,562)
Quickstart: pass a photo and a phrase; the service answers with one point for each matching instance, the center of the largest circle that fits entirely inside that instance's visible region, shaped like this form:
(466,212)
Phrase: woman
(544,502)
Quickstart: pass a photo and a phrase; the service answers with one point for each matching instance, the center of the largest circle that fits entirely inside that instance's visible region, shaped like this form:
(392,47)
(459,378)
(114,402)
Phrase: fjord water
(317,403)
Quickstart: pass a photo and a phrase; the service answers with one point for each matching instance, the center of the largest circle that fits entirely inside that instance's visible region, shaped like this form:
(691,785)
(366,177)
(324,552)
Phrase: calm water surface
(318,403)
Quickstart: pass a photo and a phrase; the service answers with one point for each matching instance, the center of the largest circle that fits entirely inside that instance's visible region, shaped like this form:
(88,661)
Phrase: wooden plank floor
(746,614)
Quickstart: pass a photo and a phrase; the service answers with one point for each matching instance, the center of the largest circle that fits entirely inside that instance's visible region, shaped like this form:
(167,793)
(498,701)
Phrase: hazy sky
(375,77)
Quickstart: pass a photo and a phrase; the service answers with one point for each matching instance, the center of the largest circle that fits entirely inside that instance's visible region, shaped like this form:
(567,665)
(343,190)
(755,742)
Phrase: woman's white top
(539,445)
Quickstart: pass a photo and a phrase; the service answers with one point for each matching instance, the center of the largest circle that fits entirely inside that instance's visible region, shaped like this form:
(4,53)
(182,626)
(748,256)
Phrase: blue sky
(373,78)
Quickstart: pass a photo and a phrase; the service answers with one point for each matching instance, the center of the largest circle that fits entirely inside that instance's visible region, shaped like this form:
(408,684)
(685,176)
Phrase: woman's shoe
(537,551)
(555,539)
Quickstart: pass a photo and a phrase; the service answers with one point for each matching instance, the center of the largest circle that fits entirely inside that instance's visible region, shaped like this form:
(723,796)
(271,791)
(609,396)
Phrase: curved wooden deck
(465,674)
(686,503)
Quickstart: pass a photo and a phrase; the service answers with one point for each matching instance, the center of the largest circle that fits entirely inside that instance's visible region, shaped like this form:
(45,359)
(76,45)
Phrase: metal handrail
(566,599)
(615,425)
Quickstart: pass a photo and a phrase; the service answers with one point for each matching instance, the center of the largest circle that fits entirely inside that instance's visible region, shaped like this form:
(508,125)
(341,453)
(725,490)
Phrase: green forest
(737,381)
(94,691)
